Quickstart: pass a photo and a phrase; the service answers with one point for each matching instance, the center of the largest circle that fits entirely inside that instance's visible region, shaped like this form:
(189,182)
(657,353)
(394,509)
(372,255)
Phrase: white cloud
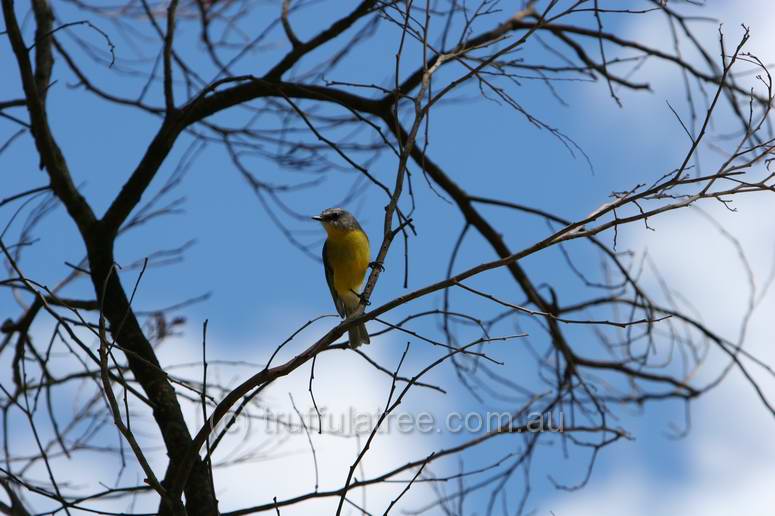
(730,451)
(283,464)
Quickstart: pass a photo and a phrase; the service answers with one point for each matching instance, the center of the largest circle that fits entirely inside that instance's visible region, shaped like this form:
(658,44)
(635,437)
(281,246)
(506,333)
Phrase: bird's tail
(358,336)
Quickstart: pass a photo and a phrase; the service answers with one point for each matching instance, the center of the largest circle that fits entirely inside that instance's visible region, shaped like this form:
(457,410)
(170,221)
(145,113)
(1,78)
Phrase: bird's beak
(317,217)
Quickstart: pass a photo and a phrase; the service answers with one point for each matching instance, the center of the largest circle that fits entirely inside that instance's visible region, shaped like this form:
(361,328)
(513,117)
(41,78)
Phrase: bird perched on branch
(346,257)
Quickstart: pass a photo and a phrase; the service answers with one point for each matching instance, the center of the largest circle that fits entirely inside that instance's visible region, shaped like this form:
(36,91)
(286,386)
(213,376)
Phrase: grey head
(337,218)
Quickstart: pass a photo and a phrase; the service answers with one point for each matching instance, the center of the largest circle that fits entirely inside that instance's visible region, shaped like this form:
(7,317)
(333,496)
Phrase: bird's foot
(377,265)
(362,298)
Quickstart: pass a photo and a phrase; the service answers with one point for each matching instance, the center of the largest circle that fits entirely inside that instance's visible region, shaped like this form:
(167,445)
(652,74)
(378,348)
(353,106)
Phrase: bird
(346,257)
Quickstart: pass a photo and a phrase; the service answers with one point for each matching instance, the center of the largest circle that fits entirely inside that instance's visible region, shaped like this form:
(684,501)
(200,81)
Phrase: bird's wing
(330,280)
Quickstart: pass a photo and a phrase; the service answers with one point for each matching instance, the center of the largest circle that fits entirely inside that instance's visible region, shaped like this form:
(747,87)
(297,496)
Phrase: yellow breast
(348,254)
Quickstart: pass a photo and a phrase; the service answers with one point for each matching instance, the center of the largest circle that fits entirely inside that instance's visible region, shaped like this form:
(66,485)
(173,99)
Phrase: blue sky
(262,288)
